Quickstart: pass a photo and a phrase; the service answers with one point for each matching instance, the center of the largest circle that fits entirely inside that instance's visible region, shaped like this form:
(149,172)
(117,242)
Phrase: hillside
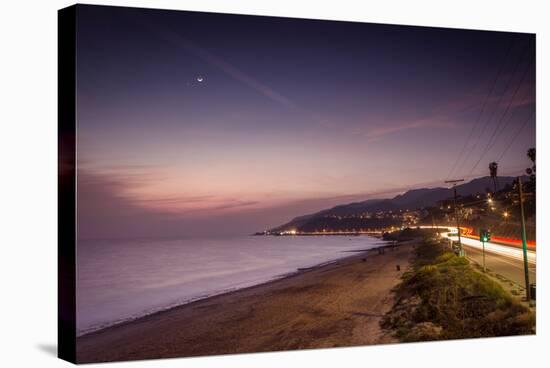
(363,214)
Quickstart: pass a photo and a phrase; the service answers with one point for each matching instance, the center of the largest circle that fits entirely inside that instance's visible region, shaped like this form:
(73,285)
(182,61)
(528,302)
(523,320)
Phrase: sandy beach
(339,304)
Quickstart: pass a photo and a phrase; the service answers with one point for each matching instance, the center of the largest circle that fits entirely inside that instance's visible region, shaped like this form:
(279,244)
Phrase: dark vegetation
(443,297)
(409,234)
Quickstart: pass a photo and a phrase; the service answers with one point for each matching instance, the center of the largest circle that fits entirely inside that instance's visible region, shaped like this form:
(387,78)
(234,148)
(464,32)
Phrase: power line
(488,121)
(503,128)
(511,172)
(501,98)
(514,137)
(490,142)
(474,126)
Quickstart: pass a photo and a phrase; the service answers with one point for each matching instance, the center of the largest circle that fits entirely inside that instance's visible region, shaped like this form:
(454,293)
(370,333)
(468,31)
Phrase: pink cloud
(377,133)
(134,189)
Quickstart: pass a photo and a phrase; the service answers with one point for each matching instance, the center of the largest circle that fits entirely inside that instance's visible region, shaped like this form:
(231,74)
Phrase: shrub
(444,258)
(452,301)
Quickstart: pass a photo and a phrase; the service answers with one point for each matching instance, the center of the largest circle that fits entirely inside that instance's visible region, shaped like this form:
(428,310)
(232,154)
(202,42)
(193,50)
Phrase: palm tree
(531,185)
(493,166)
(531,153)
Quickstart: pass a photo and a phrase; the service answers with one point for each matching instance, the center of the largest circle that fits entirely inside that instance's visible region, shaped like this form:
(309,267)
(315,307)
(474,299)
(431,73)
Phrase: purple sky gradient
(292,116)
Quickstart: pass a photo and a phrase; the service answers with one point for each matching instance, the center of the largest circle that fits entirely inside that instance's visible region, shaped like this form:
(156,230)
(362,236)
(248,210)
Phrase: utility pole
(484,269)
(461,251)
(524,241)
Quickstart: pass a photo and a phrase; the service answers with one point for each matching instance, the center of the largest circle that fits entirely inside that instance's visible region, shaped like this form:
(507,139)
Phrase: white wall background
(28,180)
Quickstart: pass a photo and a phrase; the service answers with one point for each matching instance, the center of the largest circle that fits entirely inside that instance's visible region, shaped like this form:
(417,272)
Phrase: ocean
(119,281)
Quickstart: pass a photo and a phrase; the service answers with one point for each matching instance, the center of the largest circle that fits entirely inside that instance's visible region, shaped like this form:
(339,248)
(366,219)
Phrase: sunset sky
(195,124)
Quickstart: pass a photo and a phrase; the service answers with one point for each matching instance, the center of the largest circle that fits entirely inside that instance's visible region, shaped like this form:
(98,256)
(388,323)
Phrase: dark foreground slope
(443,297)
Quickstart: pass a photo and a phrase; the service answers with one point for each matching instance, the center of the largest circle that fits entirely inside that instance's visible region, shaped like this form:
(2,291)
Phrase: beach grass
(444,297)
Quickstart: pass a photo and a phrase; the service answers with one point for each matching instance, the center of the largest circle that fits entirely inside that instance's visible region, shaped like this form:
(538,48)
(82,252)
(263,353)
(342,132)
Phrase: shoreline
(296,272)
(177,331)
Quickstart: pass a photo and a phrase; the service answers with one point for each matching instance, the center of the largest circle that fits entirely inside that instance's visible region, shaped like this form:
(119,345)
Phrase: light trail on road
(503,250)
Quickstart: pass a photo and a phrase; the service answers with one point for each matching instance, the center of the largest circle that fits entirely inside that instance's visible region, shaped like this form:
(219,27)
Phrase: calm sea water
(122,280)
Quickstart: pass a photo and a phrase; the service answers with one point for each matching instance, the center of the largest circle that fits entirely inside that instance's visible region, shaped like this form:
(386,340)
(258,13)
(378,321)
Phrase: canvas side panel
(67,184)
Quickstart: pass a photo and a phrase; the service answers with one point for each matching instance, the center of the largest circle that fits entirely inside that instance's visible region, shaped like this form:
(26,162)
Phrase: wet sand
(339,304)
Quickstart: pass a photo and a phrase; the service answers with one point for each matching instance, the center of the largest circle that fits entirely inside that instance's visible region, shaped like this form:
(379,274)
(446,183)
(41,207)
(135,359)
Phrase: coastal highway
(512,253)
(510,268)
(501,259)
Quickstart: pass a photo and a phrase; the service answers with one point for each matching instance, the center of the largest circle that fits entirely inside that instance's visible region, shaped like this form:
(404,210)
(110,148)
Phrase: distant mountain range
(410,200)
